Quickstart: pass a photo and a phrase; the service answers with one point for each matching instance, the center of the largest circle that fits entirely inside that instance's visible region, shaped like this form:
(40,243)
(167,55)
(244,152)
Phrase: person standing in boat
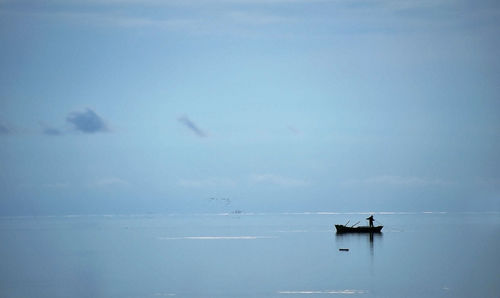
(370,219)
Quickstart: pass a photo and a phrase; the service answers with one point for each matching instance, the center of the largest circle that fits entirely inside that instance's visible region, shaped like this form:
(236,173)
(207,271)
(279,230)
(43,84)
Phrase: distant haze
(159,106)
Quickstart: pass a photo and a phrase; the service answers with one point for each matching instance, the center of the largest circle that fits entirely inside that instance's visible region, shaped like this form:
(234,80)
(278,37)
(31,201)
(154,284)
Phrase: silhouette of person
(371,219)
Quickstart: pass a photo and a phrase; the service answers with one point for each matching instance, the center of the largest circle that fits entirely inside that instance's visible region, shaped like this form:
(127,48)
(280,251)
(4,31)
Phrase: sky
(128,106)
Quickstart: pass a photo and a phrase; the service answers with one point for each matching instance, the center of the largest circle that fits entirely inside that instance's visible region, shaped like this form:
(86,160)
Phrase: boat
(360,229)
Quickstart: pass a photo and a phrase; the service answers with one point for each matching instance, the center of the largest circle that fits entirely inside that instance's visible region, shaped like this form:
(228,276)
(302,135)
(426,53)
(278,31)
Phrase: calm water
(250,255)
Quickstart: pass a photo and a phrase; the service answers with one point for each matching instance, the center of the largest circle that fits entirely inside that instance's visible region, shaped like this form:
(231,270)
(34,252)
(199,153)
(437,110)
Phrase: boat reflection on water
(348,240)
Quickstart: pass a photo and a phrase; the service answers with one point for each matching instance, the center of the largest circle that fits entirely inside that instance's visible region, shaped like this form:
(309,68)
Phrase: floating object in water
(361,229)
(343,249)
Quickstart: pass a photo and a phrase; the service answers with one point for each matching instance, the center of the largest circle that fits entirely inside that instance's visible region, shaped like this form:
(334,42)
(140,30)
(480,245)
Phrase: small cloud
(225,201)
(488,181)
(258,18)
(207,182)
(293,130)
(50,131)
(192,126)
(390,180)
(87,121)
(279,180)
(4,130)
(57,185)
(110,181)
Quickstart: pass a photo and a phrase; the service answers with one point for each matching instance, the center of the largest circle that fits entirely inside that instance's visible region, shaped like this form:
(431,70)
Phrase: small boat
(361,229)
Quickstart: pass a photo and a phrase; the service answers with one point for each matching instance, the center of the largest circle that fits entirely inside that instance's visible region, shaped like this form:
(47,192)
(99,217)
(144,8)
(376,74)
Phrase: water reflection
(347,240)
(360,245)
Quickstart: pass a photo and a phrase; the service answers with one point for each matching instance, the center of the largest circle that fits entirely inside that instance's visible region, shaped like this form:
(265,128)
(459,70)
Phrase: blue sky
(123,106)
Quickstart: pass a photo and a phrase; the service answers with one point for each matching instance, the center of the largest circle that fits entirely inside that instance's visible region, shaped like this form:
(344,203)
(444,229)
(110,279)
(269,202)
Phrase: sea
(418,254)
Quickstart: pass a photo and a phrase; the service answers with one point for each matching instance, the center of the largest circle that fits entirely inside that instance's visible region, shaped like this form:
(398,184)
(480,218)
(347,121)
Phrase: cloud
(293,130)
(57,185)
(87,121)
(278,180)
(391,180)
(110,181)
(163,3)
(348,292)
(192,126)
(4,130)
(207,182)
(50,131)
(129,21)
(490,181)
(258,18)
(250,16)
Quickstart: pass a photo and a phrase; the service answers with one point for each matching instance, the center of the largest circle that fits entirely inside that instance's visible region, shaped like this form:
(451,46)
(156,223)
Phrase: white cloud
(206,182)
(412,4)
(252,18)
(129,21)
(216,16)
(391,180)
(279,180)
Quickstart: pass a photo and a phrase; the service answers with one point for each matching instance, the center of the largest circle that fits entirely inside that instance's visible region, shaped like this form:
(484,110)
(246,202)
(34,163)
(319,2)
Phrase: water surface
(250,255)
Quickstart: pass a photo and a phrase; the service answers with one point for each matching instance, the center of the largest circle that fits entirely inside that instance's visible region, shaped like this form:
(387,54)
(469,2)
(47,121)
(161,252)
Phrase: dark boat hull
(362,229)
